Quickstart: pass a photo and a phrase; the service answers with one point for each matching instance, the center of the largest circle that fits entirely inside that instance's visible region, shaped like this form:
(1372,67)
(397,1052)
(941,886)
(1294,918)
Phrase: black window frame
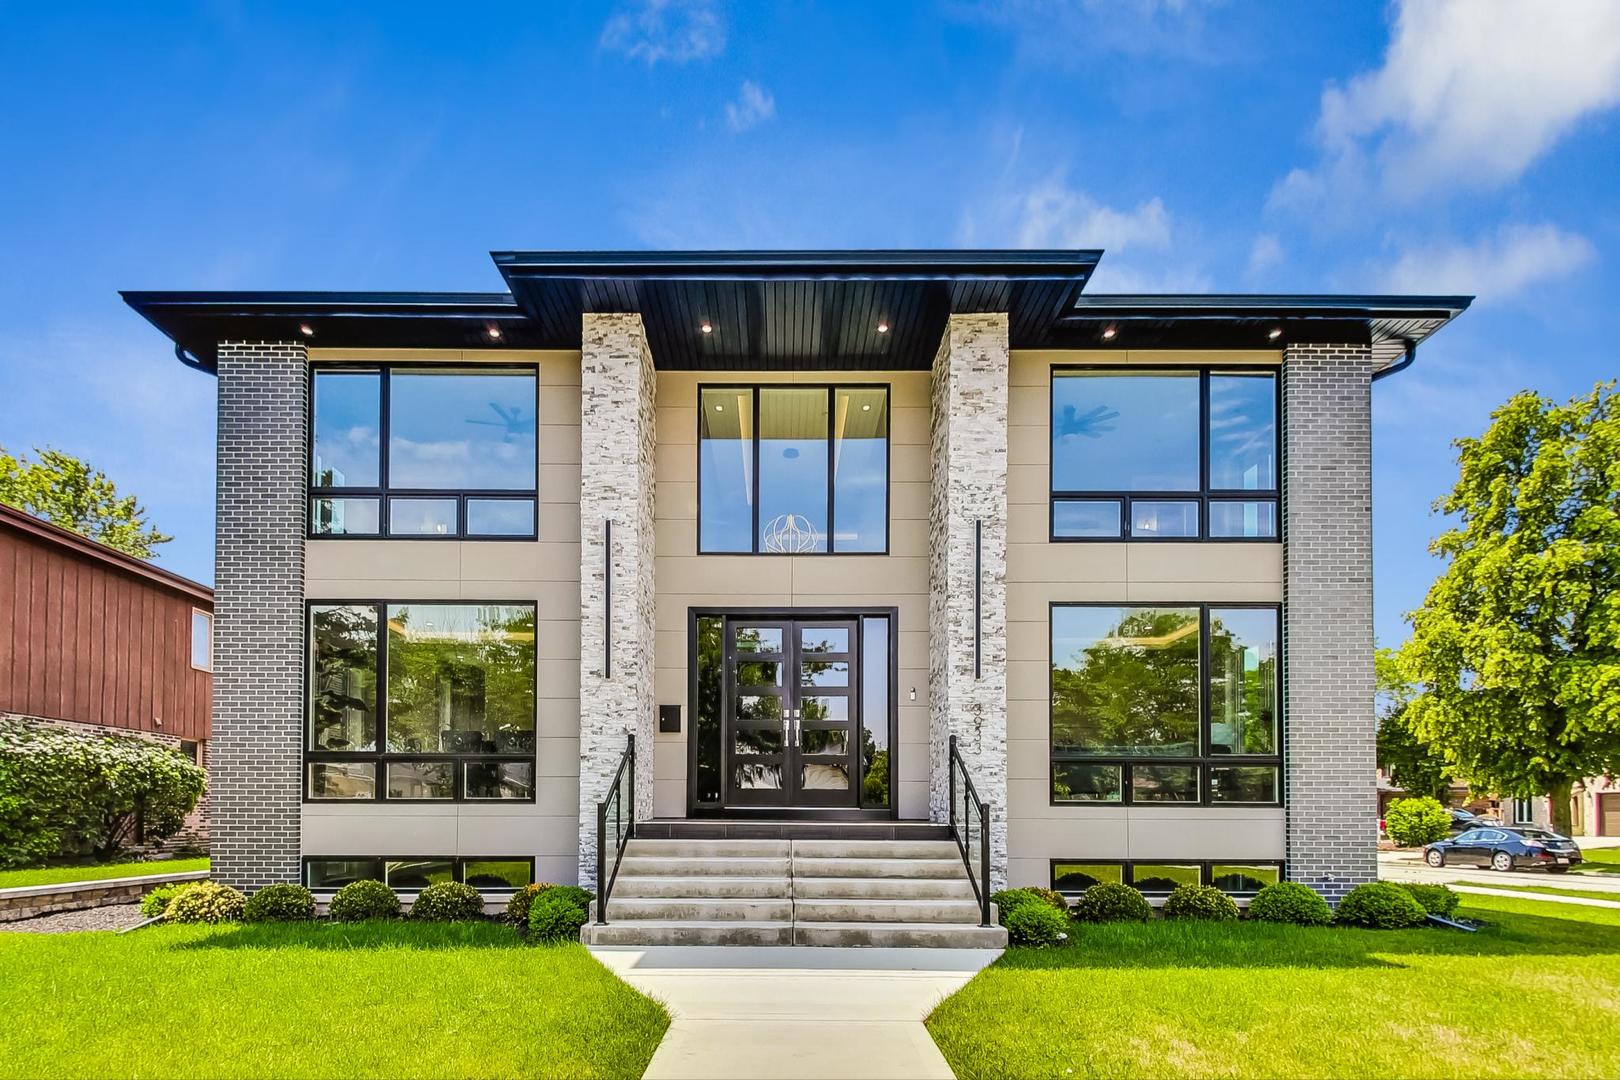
(1206,871)
(458,867)
(382,492)
(381,757)
(832,487)
(1204,760)
(1204,497)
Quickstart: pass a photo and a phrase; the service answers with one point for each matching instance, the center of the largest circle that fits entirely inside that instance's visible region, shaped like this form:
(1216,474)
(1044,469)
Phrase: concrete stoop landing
(865,893)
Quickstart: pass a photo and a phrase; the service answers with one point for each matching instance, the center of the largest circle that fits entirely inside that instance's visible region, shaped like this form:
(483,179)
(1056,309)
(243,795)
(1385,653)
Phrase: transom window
(421,702)
(793,470)
(1159,454)
(423,452)
(1165,705)
(1237,877)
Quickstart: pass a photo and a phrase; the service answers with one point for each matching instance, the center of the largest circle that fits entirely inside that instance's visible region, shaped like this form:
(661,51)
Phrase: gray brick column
(618,386)
(967,567)
(1329,727)
(255,755)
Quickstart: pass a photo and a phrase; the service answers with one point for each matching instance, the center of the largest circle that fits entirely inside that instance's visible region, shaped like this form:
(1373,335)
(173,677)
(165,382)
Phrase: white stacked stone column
(617,385)
(967,572)
(1329,729)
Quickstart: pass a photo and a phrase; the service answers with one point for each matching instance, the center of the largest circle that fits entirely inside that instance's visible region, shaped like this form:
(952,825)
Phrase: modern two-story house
(861,549)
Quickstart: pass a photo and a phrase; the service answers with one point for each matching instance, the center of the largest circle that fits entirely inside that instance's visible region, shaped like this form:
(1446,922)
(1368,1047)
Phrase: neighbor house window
(1160,454)
(497,873)
(1158,878)
(423,452)
(421,702)
(1165,704)
(793,469)
(202,640)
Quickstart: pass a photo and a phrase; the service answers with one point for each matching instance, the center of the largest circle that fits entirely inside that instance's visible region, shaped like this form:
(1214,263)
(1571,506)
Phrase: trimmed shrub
(1008,900)
(1381,905)
(1290,902)
(360,900)
(448,901)
(1436,899)
(558,913)
(1110,901)
(205,902)
(156,902)
(1415,822)
(517,908)
(279,903)
(67,793)
(1199,902)
(1035,925)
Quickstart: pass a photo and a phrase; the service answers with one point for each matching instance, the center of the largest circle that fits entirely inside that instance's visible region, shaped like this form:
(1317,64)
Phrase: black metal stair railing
(615,826)
(970,830)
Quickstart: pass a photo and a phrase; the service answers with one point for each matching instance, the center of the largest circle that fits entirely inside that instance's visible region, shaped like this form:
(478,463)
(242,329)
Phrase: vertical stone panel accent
(255,755)
(1329,727)
(968,485)
(618,386)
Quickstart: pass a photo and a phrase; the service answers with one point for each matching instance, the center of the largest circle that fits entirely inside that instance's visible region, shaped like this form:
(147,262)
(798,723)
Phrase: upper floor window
(202,640)
(1160,454)
(423,452)
(793,469)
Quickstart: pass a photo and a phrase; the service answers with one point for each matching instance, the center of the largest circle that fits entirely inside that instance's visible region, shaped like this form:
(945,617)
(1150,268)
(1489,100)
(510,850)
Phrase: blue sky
(1436,147)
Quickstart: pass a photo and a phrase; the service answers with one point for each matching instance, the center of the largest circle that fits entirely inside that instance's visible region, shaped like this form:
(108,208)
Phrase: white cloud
(1516,257)
(1471,93)
(678,31)
(1050,29)
(754,106)
(1264,255)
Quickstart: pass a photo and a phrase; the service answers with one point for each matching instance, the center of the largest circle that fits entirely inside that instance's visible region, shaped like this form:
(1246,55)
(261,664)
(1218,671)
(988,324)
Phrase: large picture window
(1165,704)
(1161,454)
(421,702)
(423,453)
(794,470)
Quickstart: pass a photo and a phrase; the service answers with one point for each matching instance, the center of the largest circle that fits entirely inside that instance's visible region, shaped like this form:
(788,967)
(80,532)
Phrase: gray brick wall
(254,758)
(1329,727)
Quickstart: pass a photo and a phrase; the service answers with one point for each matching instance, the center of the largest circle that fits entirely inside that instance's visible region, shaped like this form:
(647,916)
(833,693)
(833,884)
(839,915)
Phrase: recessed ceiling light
(866,408)
(494,332)
(1108,333)
(306,329)
(719,408)
(1276,332)
(883,328)
(706,328)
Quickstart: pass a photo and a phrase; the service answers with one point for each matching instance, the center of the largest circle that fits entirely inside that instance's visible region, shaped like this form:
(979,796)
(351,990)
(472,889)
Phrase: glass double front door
(792,714)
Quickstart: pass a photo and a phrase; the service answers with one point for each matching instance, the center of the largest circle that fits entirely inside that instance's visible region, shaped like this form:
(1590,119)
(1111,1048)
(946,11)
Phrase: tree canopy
(1516,649)
(1413,766)
(69,492)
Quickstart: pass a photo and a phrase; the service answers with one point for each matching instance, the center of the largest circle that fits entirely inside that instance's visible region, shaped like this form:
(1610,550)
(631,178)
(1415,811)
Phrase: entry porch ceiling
(797,310)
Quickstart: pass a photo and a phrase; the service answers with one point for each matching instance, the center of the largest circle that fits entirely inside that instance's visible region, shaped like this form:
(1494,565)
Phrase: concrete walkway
(1511,895)
(796,1013)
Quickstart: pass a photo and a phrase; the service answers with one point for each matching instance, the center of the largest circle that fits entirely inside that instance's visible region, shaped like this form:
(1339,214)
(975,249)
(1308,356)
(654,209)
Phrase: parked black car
(1505,847)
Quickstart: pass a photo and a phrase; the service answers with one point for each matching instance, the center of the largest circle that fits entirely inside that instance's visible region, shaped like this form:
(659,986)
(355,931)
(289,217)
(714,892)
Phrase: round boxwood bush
(1035,924)
(1380,905)
(557,914)
(205,902)
(448,901)
(1436,899)
(1203,902)
(1290,902)
(360,900)
(517,908)
(1008,899)
(1109,901)
(156,902)
(1415,822)
(279,903)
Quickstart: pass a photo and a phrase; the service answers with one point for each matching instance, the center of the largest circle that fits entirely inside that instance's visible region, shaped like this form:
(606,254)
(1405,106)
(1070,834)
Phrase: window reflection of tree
(344,705)
(461,690)
(1133,691)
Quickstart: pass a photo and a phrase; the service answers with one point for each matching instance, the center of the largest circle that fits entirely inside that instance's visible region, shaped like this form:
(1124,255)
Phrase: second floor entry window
(793,470)
(1156,454)
(423,452)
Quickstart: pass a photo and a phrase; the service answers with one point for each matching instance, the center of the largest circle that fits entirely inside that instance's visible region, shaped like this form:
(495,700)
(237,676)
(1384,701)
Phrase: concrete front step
(708,849)
(881,888)
(875,935)
(876,849)
(686,866)
(878,868)
(679,885)
(698,909)
(653,932)
(886,911)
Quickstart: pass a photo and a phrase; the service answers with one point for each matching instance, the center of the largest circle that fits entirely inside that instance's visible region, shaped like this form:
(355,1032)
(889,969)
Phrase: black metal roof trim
(915,264)
(1259,305)
(324,303)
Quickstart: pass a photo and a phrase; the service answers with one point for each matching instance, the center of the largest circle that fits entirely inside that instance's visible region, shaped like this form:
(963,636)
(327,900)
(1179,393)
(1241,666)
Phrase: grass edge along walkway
(1245,999)
(63,875)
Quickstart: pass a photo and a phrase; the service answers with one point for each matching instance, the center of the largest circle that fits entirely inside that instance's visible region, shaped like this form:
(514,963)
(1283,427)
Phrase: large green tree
(1413,765)
(69,492)
(1516,649)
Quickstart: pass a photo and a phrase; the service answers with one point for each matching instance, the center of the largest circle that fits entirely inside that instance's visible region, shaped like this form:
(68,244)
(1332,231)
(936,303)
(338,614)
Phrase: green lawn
(1548,890)
(1180,999)
(57,875)
(316,1000)
(1598,861)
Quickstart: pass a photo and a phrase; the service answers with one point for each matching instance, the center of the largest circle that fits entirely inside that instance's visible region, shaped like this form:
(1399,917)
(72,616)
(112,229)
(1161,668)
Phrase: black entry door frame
(788,617)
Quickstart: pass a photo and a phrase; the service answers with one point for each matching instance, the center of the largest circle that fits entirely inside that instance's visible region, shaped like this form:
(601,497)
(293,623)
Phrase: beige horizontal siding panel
(814,576)
(676,425)
(559,405)
(724,575)
(675,500)
(1045,563)
(1211,562)
(371,589)
(559,483)
(1204,592)
(908,500)
(908,426)
(559,524)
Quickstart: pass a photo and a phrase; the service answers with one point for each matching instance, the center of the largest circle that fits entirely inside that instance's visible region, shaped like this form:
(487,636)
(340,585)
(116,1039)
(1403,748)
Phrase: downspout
(1400,365)
(190,361)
